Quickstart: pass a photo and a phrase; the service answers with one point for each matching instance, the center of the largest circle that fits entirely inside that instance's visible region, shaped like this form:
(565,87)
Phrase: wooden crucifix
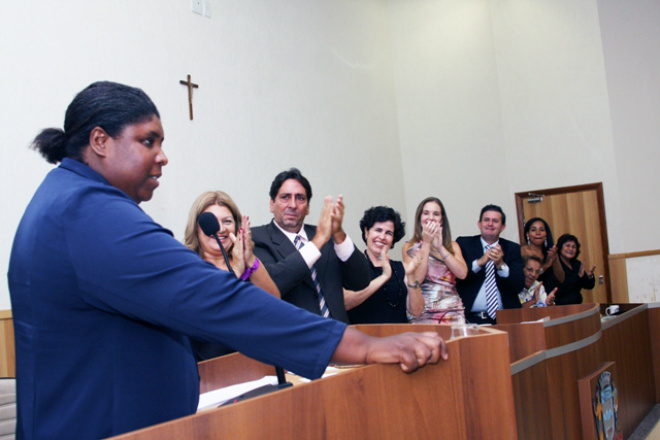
(190,86)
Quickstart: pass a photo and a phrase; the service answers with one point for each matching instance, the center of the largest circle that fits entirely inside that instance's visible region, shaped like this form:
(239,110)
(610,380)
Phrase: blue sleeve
(128,264)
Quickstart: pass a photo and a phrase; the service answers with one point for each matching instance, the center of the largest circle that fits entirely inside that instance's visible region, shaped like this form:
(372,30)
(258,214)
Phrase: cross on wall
(190,86)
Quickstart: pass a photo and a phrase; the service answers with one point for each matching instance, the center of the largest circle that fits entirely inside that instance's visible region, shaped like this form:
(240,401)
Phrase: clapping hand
(324,226)
(385,261)
(494,253)
(248,245)
(537,292)
(413,264)
(590,272)
(237,253)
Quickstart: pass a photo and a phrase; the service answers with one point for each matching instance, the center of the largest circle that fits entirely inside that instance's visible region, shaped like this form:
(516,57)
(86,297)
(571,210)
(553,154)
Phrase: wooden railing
(7,354)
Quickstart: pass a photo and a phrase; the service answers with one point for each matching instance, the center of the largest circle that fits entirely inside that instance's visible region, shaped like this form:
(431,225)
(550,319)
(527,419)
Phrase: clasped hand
(330,222)
(495,254)
(242,255)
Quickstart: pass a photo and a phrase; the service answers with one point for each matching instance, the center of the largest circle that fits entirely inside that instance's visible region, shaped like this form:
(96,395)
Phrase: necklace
(391,297)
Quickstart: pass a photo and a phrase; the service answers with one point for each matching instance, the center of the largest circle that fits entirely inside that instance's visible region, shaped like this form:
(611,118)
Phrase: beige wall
(385,101)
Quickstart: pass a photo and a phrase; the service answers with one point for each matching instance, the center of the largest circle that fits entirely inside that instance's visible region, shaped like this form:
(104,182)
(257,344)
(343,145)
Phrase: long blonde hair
(209,198)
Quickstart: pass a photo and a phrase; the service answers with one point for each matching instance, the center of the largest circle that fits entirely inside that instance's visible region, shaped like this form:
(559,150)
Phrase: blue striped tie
(491,288)
(325,312)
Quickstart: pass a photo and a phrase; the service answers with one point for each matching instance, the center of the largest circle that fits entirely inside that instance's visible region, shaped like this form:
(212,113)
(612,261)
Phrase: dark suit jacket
(509,287)
(293,278)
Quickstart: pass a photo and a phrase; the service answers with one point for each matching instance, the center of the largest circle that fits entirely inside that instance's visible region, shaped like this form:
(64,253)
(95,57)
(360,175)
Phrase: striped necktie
(325,312)
(491,288)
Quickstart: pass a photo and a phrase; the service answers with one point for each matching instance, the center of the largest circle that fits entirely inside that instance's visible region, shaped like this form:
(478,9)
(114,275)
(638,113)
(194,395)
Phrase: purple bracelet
(250,270)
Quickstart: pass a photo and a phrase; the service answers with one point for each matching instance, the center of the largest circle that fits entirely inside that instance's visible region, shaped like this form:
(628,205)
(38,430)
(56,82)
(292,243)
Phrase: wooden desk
(470,396)
(578,343)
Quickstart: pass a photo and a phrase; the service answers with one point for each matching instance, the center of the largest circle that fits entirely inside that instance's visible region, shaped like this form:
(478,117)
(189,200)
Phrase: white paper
(217,397)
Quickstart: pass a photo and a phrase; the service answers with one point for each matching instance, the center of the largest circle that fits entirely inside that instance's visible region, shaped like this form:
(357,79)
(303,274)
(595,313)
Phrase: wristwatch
(414,285)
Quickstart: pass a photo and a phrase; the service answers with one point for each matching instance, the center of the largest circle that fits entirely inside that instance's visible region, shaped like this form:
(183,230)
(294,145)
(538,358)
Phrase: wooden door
(580,211)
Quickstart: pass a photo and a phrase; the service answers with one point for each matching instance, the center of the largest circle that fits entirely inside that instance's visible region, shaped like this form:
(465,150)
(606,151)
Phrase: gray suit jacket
(293,278)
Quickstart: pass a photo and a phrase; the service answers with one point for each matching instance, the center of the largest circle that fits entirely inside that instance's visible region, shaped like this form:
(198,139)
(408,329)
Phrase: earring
(545,243)
(528,240)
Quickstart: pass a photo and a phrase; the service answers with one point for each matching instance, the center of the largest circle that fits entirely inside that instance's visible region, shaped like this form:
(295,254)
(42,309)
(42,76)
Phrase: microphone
(210,226)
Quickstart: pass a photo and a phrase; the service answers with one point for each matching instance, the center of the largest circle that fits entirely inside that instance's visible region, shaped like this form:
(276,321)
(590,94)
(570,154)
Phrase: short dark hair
(526,258)
(111,106)
(492,208)
(379,214)
(565,239)
(292,173)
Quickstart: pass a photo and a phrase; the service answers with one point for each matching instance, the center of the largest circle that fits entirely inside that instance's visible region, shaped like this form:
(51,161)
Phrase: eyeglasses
(531,269)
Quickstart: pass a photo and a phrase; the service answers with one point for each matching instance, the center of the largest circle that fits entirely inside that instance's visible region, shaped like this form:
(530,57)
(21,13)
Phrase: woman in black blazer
(577,277)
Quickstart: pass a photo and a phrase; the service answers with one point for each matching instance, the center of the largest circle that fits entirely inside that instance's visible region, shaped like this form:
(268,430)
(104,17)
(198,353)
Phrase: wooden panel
(628,344)
(573,331)
(587,389)
(457,398)
(532,408)
(618,279)
(654,329)
(513,316)
(631,340)
(7,351)
(576,213)
(578,210)
(524,339)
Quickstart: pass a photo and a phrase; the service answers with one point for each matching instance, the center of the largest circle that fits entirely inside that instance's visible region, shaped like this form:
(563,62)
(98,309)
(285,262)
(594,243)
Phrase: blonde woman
(235,236)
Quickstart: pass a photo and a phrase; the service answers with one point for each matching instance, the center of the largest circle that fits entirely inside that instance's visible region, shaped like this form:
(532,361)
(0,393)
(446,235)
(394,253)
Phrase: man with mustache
(309,264)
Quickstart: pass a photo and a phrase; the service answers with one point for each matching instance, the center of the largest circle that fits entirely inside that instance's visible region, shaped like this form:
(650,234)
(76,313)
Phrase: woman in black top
(388,297)
(576,276)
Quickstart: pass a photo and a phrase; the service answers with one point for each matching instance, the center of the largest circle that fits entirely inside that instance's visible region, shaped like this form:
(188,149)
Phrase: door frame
(598,187)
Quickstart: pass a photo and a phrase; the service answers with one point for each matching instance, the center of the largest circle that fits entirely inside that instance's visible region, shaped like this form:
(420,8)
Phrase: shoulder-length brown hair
(191,240)
(446,230)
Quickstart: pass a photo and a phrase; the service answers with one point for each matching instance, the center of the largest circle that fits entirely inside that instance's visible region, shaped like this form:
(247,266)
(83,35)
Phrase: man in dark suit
(309,264)
(508,280)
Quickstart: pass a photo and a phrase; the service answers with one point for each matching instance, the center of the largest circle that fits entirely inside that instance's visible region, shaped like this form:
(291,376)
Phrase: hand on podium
(410,350)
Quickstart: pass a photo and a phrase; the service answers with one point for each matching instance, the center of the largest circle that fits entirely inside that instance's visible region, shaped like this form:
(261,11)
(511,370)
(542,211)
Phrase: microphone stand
(211,223)
(224,253)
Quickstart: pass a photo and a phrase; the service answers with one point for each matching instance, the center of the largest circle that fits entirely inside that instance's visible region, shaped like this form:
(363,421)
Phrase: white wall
(385,101)
(631,48)
(503,96)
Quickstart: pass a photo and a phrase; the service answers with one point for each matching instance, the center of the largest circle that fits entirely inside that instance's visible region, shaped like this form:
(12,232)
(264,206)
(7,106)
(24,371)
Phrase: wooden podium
(469,396)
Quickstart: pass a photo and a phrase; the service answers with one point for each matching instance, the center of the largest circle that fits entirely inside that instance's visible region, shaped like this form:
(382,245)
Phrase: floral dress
(442,304)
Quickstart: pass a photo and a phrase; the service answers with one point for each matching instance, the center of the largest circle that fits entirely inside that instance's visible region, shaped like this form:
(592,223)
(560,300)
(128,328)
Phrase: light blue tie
(491,288)
(325,312)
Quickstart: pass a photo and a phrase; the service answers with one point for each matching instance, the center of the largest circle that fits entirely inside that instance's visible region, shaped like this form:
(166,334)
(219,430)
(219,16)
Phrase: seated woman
(577,277)
(540,243)
(534,294)
(441,263)
(388,297)
(235,236)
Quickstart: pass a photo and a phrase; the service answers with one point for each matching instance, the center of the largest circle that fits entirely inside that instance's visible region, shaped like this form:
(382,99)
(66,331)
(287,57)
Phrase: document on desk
(214,398)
